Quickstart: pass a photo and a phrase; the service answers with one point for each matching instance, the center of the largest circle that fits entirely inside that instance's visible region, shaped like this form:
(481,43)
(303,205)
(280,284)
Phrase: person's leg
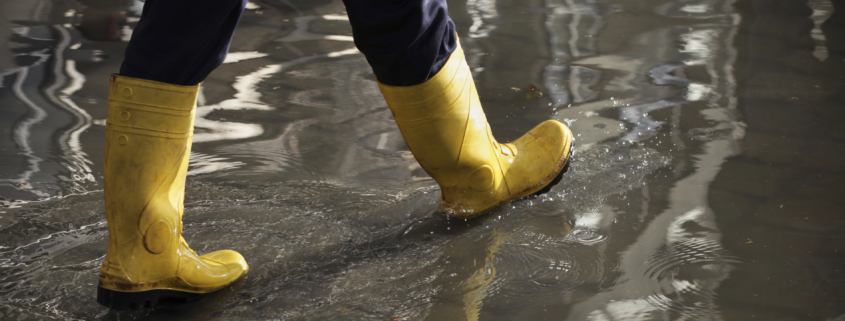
(405,42)
(423,76)
(149,129)
(181,42)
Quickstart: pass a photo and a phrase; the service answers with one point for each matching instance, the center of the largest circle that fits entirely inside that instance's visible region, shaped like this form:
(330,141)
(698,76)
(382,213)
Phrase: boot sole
(554,182)
(136,300)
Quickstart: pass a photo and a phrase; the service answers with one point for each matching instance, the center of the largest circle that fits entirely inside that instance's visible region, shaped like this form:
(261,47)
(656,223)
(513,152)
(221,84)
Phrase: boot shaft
(444,125)
(148,139)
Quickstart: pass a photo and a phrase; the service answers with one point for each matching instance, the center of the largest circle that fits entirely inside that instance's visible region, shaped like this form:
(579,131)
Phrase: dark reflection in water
(706,184)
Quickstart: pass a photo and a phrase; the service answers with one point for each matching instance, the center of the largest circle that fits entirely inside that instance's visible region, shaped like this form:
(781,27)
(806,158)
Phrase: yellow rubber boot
(446,129)
(148,141)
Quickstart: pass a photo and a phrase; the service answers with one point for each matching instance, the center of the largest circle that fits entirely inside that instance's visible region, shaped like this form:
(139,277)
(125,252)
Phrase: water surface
(707,180)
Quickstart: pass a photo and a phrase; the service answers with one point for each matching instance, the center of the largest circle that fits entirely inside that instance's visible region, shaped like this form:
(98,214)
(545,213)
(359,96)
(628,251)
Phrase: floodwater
(707,182)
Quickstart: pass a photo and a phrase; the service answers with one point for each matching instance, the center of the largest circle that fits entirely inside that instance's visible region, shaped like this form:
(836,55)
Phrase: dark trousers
(181,41)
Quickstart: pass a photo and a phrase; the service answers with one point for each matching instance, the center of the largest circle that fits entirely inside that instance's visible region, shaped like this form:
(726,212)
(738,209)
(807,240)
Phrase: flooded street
(707,180)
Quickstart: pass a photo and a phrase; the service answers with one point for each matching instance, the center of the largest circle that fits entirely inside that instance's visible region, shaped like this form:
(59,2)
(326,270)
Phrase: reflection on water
(705,184)
(43,154)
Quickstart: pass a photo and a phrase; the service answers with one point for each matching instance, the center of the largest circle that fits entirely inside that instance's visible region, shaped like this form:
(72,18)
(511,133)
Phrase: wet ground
(707,184)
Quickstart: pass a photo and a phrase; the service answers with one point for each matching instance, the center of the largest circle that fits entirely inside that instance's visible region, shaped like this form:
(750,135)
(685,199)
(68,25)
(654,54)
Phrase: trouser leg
(181,42)
(405,42)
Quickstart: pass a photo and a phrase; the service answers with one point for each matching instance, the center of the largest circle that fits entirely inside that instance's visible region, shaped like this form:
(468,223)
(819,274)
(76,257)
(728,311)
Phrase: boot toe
(542,154)
(555,138)
(234,261)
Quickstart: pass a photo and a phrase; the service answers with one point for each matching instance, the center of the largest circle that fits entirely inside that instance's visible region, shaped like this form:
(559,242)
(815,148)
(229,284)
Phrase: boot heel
(136,300)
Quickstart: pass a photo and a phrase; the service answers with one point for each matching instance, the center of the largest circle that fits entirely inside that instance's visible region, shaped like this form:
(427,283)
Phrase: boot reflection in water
(415,55)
